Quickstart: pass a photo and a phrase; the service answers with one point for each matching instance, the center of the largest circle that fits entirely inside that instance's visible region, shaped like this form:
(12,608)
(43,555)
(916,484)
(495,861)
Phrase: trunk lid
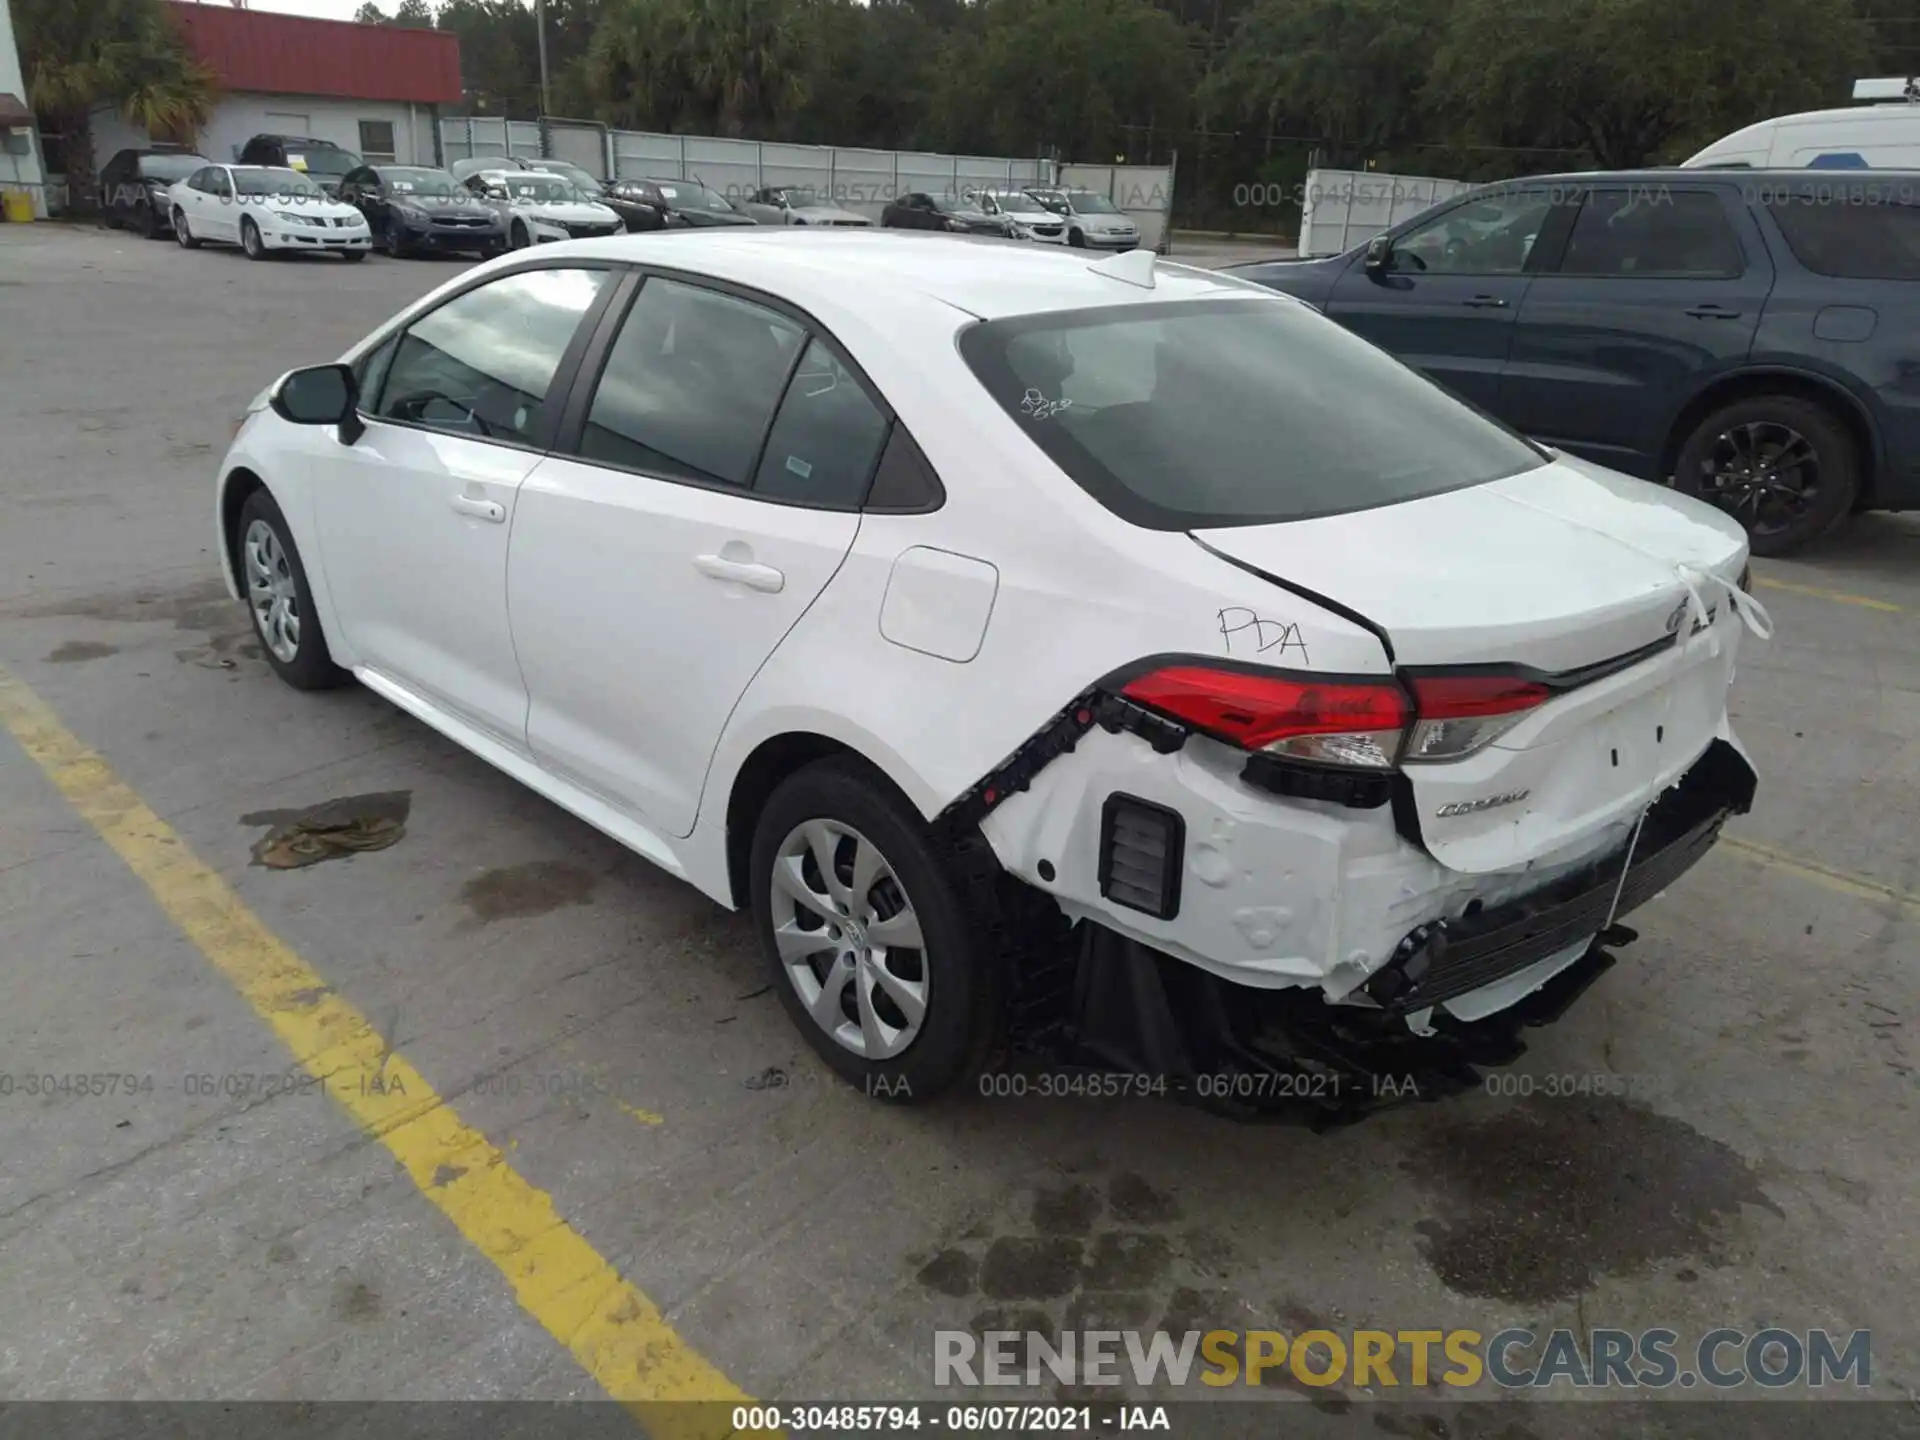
(1568,571)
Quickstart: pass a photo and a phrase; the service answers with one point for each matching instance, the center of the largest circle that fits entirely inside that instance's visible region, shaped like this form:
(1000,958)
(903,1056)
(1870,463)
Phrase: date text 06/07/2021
(851,1419)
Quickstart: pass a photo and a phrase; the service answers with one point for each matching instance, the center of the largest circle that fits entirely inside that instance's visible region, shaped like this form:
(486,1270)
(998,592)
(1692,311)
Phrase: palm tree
(744,54)
(120,52)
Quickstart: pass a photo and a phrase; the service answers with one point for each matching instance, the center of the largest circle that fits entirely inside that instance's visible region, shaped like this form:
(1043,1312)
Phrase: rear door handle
(489,510)
(1713,312)
(1485,302)
(747,572)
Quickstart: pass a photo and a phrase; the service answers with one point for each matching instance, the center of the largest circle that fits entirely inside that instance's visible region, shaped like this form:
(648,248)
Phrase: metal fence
(1342,208)
(860,180)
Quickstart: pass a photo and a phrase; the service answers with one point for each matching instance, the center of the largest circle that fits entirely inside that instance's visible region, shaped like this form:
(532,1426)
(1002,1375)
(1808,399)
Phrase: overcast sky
(328,9)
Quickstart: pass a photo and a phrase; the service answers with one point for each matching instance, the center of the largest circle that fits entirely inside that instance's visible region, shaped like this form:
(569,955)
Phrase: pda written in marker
(1246,632)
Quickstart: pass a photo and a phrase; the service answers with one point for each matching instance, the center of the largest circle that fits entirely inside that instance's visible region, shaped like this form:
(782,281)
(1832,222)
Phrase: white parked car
(795,205)
(1092,221)
(262,209)
(1026,217)
(929,600)
(543,207)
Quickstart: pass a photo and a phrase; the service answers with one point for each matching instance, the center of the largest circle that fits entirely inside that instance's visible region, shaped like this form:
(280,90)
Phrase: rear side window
(1232,412)
(1651,230)
(481,364)
(825,439)
(1830,234)
(690,384)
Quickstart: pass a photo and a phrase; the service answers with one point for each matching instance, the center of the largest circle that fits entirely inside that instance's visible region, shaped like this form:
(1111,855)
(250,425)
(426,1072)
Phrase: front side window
(689,385)
(481,365)
(1491,236)
(1652,231)
(1232,412)
(1866,237)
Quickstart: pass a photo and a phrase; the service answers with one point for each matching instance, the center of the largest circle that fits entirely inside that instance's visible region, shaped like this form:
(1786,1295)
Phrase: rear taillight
(1331,722)
(1460,713)
(1370,724)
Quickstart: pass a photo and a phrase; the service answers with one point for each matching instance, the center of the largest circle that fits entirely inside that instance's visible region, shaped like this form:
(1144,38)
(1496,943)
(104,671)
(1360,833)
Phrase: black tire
(311,666)
(391,241)
(520,238)
(250,241)
(151,225)
(183,232)
(1076,240)
(353,255)
(1822,462)
(964,987)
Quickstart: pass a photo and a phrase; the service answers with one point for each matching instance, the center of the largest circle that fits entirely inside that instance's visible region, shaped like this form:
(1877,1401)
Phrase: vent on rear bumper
(1141,855)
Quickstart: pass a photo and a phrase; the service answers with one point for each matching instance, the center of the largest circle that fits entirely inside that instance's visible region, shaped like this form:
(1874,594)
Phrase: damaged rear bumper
(1452,958)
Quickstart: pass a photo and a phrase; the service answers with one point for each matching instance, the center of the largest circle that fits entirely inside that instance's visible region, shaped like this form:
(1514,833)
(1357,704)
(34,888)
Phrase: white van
(1860,137)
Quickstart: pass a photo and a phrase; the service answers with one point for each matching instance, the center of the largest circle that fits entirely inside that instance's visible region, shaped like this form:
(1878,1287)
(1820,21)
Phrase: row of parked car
(296,193)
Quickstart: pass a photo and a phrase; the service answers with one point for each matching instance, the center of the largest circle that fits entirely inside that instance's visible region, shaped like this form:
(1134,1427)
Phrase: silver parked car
(1092,221)
(796,205)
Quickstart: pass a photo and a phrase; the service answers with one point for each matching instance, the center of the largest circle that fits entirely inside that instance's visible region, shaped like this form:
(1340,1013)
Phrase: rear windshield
(1852,231)
(1232,412)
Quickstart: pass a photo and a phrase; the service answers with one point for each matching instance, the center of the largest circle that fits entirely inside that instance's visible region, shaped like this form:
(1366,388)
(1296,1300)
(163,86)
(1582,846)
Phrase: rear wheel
(863,928)
(1782,466)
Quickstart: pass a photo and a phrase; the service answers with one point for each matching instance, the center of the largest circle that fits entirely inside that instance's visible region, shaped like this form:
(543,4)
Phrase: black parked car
(918,210)
(640,205)
(133,188)
(1751,336)
(691,203)
(324,162)
(413,208)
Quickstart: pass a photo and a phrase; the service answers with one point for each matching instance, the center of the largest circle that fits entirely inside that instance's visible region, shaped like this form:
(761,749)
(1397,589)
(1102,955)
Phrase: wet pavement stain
(349,825)
(1070,1210)
(203,607)
(515,892)
(356,1301)
(1134,1200)
(1122,1261)
(74,651)
(950,1272)
(1551,1194)
(1029,1267)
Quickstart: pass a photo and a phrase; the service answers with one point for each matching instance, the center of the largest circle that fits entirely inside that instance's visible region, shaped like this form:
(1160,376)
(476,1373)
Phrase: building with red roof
(372,89)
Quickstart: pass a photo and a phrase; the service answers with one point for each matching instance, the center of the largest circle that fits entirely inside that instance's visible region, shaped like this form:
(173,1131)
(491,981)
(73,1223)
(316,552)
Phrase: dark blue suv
(1753,336)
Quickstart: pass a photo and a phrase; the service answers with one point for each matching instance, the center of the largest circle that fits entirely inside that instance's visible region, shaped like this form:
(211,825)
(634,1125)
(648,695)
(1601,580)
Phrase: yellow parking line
(613,1330)
(1840,597)
(1836,880)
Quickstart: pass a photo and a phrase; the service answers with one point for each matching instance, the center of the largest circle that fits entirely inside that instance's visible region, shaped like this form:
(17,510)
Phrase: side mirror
(319,395)
(1379,251)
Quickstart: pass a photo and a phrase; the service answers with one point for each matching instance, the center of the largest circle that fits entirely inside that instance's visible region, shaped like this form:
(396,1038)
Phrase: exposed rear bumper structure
(1121,1005)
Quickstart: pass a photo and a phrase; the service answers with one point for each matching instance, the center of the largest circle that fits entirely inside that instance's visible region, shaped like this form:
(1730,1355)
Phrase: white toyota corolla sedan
(1095,651)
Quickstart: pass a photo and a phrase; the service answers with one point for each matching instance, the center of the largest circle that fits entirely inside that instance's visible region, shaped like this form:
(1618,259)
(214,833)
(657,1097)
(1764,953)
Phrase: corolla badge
(1485,802)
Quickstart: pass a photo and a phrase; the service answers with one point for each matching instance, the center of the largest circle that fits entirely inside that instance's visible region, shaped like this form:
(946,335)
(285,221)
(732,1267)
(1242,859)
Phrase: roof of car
(860,265)
(314,140)
(1671,173)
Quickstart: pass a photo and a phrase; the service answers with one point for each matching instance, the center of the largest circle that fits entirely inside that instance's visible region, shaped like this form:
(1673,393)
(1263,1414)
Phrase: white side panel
(939,603)
(1345,208)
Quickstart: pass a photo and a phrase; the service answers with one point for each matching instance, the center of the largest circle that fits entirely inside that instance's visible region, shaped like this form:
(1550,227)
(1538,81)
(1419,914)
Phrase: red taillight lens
(1461,713)
(1332,722)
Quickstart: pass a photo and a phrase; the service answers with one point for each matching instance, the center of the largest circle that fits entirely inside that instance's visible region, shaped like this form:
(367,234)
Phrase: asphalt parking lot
(636,1117)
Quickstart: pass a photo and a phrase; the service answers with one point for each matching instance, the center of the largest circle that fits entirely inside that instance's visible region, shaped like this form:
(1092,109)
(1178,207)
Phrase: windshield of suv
(170,168)
(684,196)
(1231,412)
(1088,203)
(276,184)
(322,160)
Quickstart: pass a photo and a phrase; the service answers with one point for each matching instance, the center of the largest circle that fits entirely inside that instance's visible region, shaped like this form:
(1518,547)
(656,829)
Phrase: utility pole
(540,27)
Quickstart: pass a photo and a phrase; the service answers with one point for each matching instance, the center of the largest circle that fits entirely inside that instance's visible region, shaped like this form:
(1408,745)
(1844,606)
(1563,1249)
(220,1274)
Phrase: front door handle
(1485,302)
(747,572)
(489,510)
(1711,311)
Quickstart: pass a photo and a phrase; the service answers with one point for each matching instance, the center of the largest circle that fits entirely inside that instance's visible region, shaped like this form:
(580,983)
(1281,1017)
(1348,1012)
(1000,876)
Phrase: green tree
(499,54)
(371,14)
(1638,81)
(743,57)
(125,53)
(414,14)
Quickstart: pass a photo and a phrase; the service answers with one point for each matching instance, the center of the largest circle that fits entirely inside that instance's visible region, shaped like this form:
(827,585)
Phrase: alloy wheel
(1763,472)
(250,239)
(181,231)
(849,939)
(271,592)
